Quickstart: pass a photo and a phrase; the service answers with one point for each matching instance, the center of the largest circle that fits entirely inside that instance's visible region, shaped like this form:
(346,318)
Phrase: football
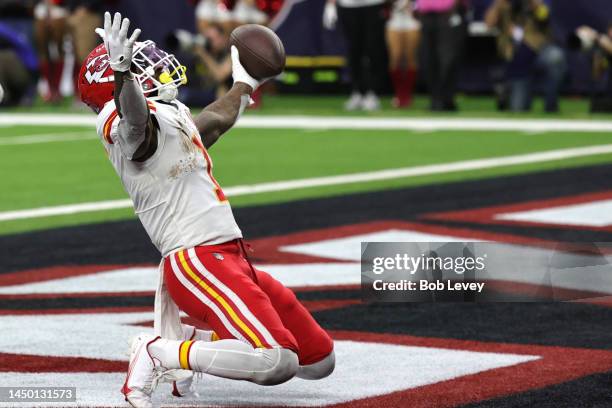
(261,51)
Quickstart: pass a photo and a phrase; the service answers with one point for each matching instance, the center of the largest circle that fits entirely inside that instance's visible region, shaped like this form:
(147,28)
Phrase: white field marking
(348,122)
(593,214)
(47,138)
(389,174)
(349,248)
(48,119)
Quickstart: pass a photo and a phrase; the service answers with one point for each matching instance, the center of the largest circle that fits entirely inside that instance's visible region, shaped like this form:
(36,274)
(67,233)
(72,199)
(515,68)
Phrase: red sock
(398,84)
(44,70)
(56,77)
(408,85)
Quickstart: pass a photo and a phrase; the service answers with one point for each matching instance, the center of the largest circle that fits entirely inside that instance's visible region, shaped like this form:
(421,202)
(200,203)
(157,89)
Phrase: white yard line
(350,122)
(425,124)
(50,119)
(47,138)
(389,174)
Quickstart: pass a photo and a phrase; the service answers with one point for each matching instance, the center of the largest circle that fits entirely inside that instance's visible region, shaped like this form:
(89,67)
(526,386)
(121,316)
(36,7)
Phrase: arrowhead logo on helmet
(96,68)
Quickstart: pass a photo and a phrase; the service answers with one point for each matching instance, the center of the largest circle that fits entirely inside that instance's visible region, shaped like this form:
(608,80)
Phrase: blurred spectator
(363,23)
(246,12)
(217,12)
(18,67)
(50,29)
(443,32)
(403,35)
(600,46)
(85,16)
(209,64)
(525,42)
(212,12)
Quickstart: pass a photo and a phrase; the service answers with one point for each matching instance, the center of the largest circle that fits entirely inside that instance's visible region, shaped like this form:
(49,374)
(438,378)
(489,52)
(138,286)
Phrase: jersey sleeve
(115,132)
(106,124)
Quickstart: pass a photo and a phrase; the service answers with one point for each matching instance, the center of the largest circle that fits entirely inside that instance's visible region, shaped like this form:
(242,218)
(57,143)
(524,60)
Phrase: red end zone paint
(486,215)
(26,363)
(268,250)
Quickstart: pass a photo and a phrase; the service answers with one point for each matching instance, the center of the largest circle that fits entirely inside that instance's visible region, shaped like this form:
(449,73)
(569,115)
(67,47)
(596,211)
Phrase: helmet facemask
(158,73)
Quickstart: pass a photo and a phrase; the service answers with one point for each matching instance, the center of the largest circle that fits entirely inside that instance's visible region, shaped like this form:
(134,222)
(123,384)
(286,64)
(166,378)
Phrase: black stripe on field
(550,324)
(593,391)
(126,242)
(89,302)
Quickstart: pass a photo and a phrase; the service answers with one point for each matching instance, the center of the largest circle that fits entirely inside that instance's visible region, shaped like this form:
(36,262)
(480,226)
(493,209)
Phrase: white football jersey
(175,195)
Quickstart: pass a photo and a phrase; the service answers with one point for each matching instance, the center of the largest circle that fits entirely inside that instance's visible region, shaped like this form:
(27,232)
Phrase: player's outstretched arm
(136,129)
(218,117)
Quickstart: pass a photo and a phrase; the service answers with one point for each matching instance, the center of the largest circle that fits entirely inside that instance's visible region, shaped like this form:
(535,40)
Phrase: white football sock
(232,359)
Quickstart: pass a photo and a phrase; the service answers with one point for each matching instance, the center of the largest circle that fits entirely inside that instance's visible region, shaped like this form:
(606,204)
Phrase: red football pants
(216,284)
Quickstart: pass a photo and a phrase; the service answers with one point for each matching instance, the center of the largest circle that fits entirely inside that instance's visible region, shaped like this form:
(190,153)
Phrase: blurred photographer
(599,45)
(525,42)
(209,64)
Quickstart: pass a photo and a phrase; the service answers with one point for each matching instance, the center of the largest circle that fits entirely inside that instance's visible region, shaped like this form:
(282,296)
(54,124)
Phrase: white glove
(118,46)
(330,15)
(239,73)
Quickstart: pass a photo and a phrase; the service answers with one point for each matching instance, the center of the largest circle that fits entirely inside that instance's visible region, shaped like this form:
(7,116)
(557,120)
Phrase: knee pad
(281,366)
(318,370)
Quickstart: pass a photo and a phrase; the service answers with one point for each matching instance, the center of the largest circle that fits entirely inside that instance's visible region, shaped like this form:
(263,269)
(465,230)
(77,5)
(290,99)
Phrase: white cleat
(370,102)
(143,374)
(354,102)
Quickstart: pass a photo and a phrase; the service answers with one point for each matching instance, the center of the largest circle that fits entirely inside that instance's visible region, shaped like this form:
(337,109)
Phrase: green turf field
(42,173)
(469,106)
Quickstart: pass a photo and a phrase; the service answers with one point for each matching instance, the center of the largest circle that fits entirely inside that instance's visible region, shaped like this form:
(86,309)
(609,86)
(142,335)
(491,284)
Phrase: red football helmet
(157,72)
(96,79)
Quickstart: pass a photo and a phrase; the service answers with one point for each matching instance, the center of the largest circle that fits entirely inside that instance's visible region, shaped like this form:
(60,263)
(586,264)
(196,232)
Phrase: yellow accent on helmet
(166,77)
